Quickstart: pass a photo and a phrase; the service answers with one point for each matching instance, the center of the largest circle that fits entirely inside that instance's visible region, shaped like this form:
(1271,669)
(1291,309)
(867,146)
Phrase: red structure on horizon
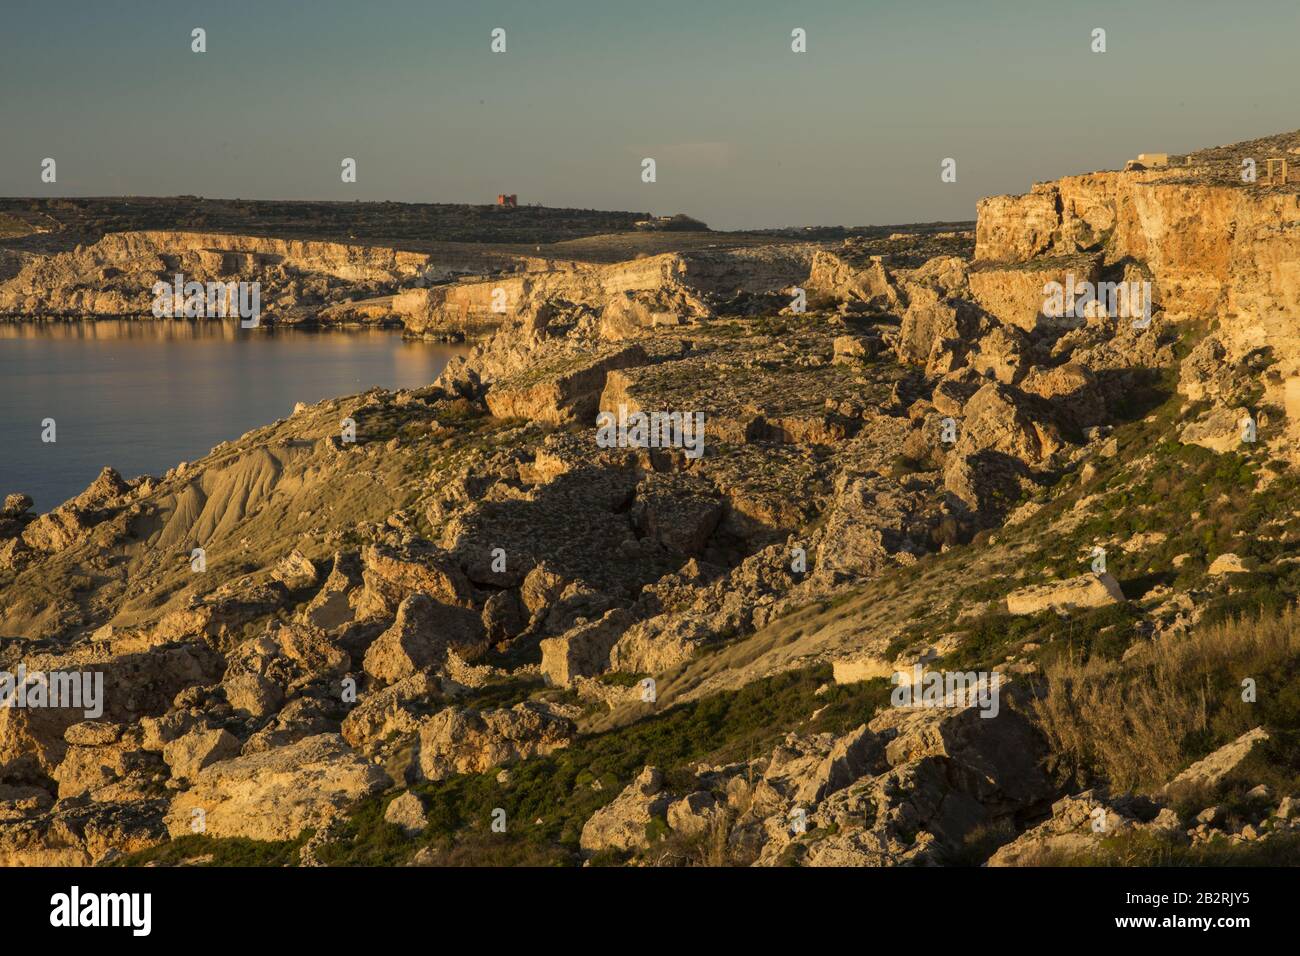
(510,201)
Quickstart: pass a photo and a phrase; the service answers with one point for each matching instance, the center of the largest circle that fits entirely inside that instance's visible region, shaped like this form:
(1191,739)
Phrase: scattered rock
(407,812)
(1086,591)
(1227,564)
(1208,771)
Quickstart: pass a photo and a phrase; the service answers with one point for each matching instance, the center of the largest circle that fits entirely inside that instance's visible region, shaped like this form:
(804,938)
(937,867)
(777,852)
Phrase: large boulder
(393,710)
(466,741)
(621,824)
(504,616)
(392,576)
(407,812)
(1086,591)
(1076,828)
(869,519)
(838,276)
(851,757)
(1002,355)
(1211,770)
(542,587)
(936,331)
(907,789)
(420,637)
(1072,390)
(136,683)
(307,716)
(15,505)
(201,747)
(75,833)
(1018,294)
(987,482)
(583,650)
(678,512)
(295,570)
(626,315)
(996,759)
(331,607)
(252,695)
(276,794)
(98,756)
(58,529)
(695,814)
(1220,429)
(308,654)
(566,390)
(1227,563)
(105,491)
(1002,419)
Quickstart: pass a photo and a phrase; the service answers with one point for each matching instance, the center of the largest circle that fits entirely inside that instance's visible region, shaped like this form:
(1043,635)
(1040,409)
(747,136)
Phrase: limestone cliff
(1218,250)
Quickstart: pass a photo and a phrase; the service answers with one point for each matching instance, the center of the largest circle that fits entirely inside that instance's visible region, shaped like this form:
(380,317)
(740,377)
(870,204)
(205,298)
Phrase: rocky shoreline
(412,602)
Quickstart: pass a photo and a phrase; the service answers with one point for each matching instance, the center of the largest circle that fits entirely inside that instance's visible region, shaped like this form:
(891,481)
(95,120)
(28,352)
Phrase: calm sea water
(142,396)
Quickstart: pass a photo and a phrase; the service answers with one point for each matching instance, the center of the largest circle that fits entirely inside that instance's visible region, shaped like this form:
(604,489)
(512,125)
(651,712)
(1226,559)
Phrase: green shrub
(224,851)
(551,797)
(1145,848)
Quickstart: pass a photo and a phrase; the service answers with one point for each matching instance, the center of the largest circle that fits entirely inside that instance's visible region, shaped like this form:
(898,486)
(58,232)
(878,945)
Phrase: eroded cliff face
(1218,251)
(1213,250)
(673,284)
(454,292)
(486,301)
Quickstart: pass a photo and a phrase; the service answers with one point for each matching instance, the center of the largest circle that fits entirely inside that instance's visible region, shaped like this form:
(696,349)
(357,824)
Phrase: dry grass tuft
(1139,721)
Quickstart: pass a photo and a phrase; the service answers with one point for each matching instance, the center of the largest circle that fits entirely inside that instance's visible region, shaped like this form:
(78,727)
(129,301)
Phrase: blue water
(142,396)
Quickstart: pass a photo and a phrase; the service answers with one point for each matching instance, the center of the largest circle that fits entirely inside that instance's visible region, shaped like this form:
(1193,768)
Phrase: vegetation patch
(548,799)
(201,850)
(1136,722)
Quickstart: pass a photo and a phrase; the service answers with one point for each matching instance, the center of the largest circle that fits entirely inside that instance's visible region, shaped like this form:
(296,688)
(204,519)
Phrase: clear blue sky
(745,132)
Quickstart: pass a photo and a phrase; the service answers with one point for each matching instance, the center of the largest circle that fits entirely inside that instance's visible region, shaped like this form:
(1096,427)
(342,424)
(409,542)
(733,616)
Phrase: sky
(745,132)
